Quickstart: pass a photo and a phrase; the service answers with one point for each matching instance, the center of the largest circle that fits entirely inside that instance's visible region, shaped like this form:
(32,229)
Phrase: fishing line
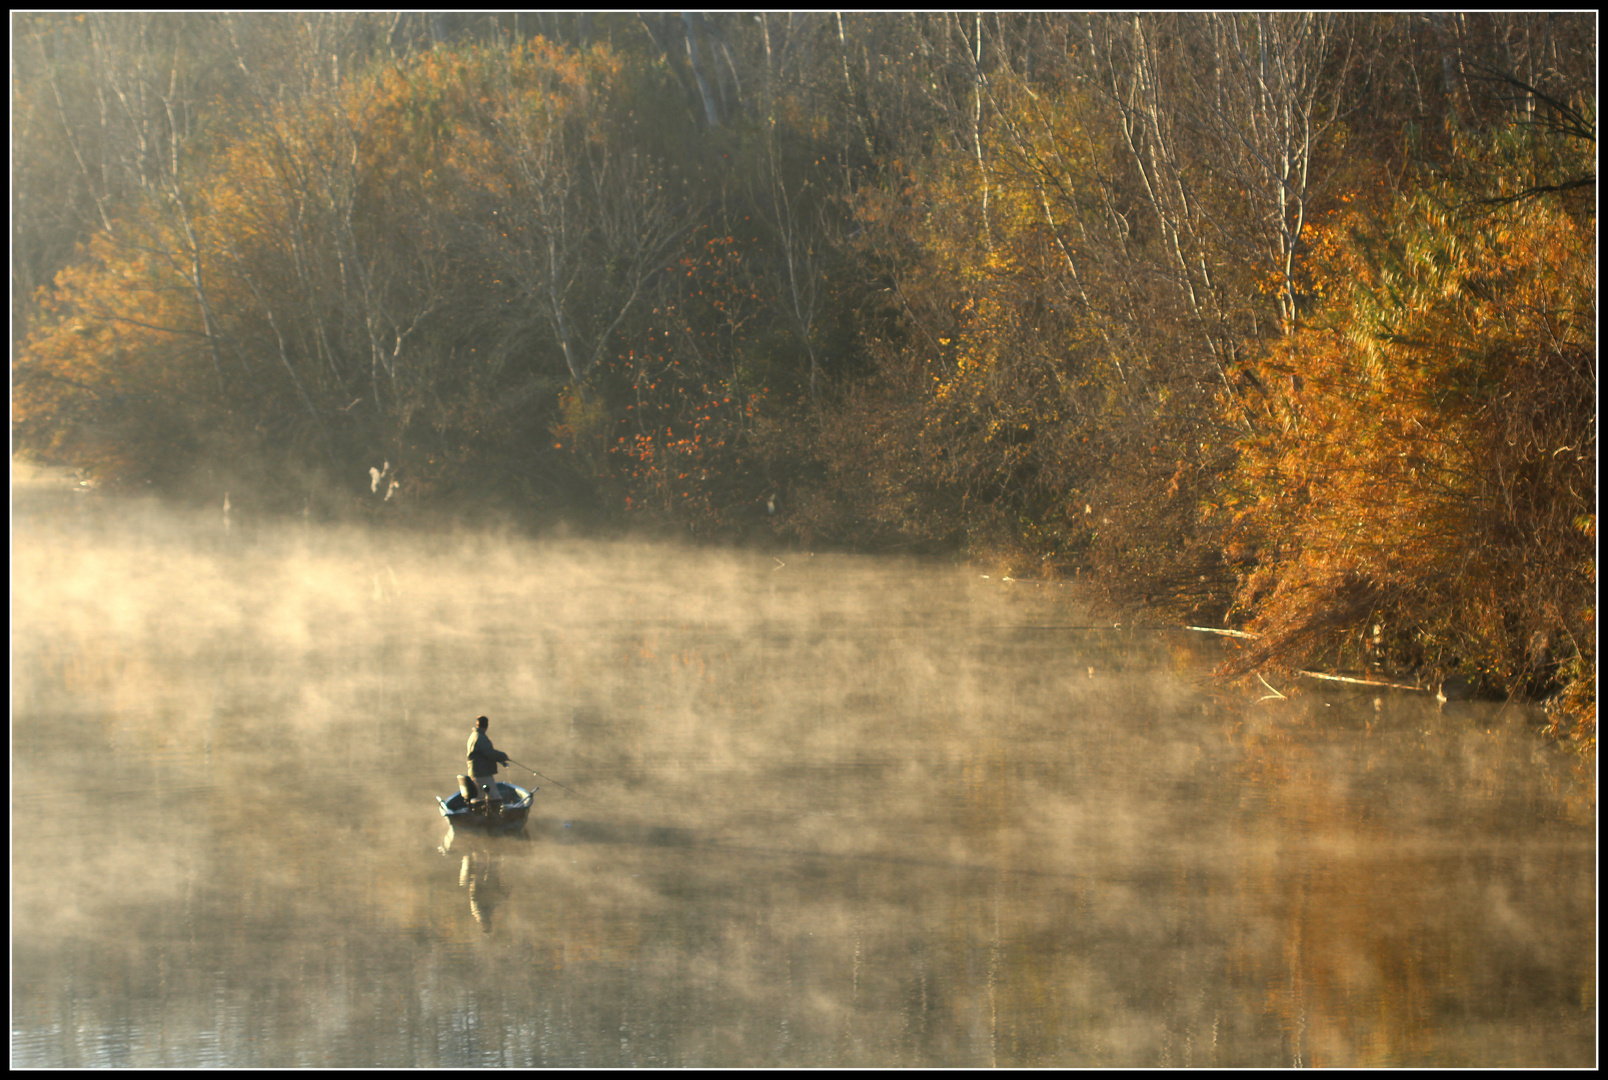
(549,779)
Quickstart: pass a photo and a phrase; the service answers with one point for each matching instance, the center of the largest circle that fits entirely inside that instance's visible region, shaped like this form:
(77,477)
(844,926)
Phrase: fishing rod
(549,779)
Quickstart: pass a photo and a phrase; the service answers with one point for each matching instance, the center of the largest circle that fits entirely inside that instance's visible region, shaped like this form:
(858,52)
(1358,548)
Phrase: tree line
(1279,321)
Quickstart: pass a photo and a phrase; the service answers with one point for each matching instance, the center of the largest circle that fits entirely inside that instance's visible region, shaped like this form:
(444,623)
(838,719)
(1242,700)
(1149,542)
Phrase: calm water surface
(822,812)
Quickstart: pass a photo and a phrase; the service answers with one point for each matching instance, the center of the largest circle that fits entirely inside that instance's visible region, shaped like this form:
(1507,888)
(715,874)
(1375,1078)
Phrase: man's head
(481,723)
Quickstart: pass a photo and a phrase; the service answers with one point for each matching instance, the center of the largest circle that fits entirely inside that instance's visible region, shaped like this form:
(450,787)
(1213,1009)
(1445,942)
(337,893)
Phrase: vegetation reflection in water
(825,811)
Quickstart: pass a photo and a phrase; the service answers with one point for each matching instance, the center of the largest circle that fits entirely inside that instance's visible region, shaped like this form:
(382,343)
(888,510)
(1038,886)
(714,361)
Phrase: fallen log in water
(1226,633)
(1361,682)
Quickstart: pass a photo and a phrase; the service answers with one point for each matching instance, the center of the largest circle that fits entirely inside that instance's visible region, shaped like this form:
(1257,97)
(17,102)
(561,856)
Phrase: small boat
(467,808)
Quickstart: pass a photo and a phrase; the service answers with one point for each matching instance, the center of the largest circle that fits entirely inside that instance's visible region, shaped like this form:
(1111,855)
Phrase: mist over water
(821,811)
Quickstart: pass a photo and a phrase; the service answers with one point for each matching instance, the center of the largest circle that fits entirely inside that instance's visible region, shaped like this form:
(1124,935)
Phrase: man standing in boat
(484,759)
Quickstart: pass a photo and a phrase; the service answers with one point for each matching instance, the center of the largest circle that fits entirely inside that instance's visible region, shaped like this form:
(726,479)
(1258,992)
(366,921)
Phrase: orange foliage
(117,377)
(677,443)
(1420,479)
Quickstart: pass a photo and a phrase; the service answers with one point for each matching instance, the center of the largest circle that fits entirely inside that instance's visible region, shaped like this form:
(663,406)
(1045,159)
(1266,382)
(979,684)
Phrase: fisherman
(483,761)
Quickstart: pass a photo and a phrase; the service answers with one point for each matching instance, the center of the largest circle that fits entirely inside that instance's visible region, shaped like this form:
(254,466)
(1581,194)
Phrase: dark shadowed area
(795,811)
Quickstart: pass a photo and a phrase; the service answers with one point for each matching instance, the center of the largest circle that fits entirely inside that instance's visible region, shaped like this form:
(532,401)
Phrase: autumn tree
(1423,492)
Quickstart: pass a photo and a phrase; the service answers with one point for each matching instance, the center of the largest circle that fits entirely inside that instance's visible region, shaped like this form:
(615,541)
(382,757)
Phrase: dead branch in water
(1308,674)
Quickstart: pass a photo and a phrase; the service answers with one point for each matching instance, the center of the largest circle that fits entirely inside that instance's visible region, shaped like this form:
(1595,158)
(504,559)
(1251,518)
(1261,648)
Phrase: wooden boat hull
(510,816)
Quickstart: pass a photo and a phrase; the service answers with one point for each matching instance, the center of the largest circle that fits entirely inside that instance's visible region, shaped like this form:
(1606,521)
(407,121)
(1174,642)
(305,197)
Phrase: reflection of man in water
(484,759)
(478,874)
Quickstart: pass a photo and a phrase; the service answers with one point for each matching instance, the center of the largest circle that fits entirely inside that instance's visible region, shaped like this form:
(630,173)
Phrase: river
(794,810)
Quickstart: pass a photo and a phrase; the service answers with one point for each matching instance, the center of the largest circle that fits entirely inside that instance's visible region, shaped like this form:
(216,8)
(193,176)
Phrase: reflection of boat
(467,809)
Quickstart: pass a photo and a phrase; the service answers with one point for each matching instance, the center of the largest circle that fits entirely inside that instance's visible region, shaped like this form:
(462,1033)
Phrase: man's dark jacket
(483,757)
